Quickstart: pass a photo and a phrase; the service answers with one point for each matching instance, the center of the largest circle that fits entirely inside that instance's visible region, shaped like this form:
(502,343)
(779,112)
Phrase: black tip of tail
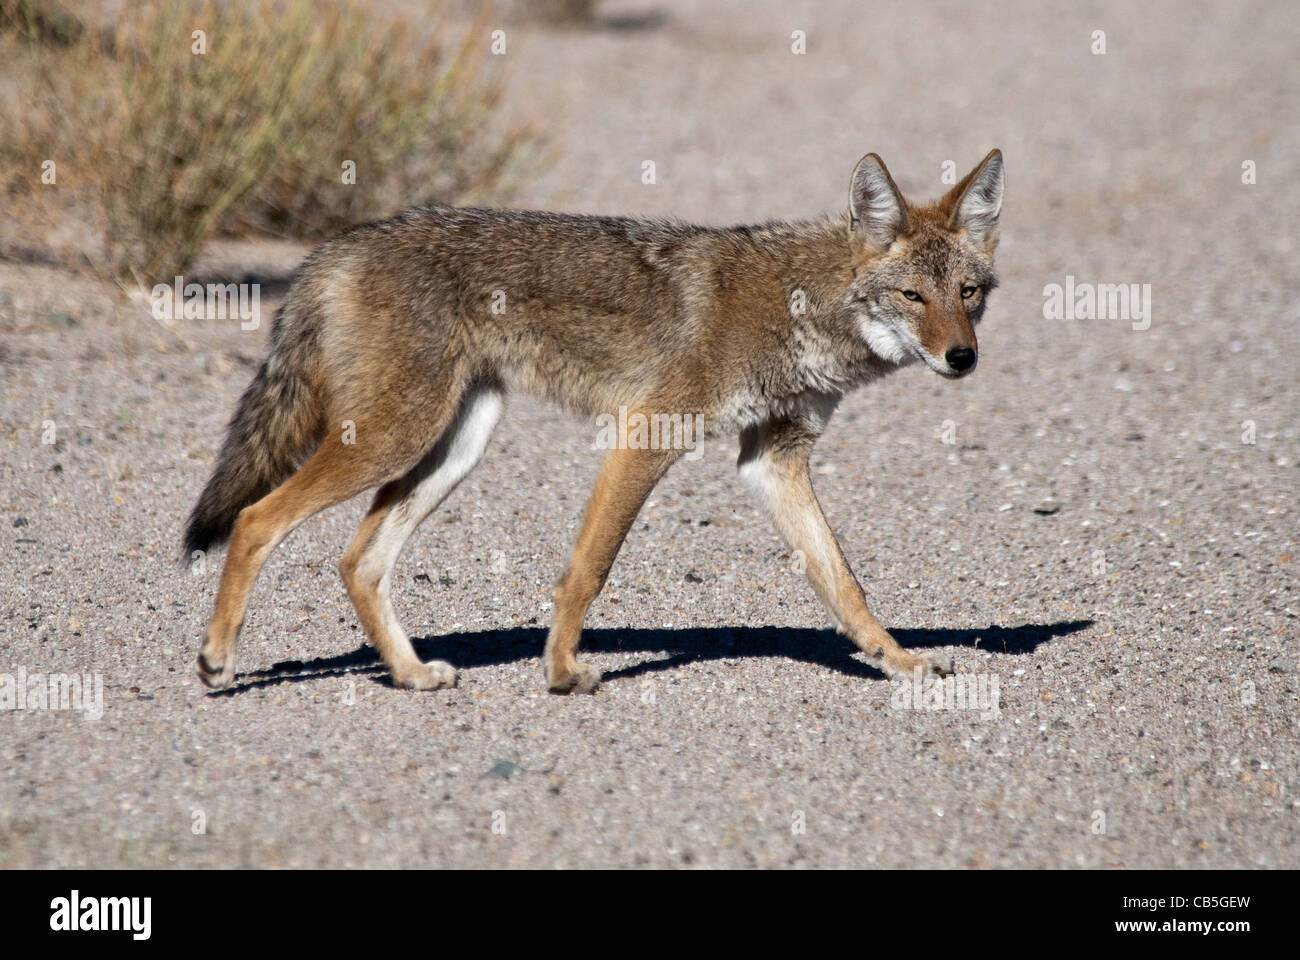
(201,535)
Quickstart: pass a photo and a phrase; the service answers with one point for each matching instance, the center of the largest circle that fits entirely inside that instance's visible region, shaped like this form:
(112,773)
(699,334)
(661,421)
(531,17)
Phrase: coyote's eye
(968,292)
(912,295)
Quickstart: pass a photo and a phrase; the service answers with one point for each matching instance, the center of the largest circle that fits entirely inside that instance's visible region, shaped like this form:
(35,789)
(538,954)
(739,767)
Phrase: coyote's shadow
(823,647)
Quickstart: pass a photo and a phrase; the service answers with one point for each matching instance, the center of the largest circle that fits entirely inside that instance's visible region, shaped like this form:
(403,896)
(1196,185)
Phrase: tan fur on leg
(336,472)
(399,508)
(774,463)
(626,479)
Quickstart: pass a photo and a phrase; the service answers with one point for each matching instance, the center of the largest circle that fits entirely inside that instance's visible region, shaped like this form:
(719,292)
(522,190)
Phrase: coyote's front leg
(626,479)
(774,463)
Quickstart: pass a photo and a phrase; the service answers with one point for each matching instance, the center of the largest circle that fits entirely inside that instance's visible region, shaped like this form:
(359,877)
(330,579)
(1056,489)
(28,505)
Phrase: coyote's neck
(800,272)
(808,261)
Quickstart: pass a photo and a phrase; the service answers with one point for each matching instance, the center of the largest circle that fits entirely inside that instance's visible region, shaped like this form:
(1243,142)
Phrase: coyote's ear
(877,213)
(976,202)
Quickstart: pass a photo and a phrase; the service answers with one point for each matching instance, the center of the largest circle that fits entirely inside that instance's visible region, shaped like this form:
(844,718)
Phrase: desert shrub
(415,120)
(45,21)
(183,119)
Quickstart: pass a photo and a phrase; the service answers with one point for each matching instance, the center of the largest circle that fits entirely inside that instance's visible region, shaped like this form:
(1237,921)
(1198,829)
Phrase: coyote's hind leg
(334,473)
(398,509)
(337,471)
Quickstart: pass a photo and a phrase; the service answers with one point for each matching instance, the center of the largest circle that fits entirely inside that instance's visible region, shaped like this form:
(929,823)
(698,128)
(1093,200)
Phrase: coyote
(395,348)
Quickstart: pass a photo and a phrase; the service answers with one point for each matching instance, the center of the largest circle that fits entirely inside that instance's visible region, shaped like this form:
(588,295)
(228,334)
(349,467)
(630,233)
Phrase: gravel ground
(1082,521)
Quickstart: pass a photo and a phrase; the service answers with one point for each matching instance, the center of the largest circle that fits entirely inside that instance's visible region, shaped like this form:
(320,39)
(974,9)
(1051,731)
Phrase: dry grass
(174,137)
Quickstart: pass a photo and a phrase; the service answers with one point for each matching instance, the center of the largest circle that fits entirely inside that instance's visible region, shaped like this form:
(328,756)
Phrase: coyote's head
(922,274)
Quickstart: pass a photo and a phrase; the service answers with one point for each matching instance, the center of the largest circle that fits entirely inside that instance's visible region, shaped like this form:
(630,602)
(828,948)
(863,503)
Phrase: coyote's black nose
(960,358)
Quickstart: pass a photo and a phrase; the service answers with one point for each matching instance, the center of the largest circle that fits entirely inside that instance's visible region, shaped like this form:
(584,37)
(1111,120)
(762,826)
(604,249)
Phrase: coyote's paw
(580,678)
(930,664)
(433,675)
(938,664)
(216,676)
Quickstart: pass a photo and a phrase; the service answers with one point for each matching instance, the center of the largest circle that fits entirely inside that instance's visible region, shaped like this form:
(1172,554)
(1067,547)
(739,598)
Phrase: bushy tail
(276,425)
